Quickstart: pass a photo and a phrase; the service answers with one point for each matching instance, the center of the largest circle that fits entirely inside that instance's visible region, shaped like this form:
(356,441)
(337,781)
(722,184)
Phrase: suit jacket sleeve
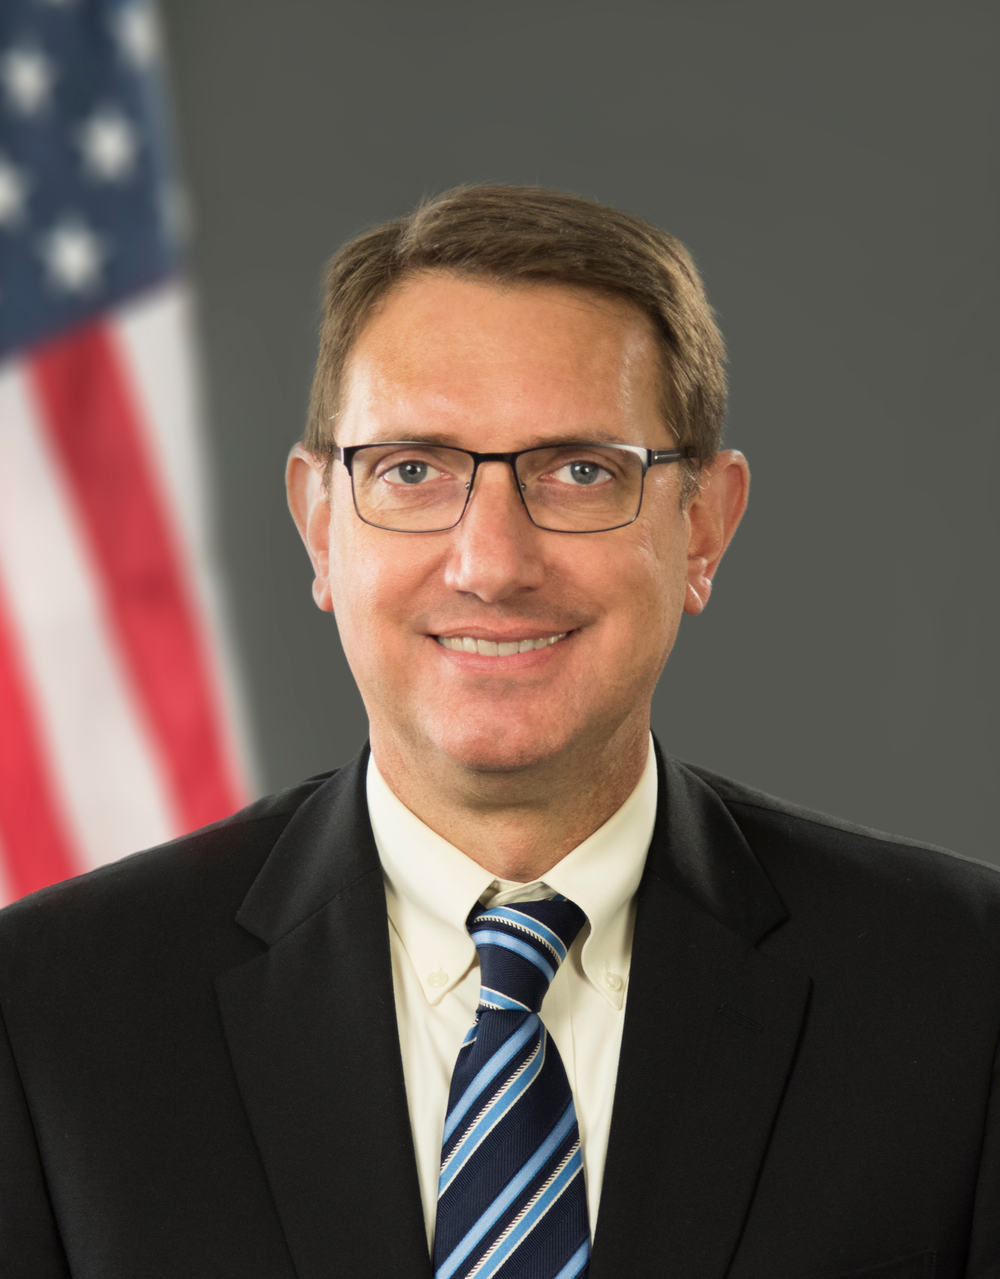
(984,1252)
(29,1240)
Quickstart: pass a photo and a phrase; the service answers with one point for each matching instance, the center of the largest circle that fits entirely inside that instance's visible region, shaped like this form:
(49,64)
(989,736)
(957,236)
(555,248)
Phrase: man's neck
(515,825)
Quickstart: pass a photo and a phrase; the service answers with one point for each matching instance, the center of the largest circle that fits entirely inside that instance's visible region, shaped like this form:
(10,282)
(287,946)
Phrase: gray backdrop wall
(833,167)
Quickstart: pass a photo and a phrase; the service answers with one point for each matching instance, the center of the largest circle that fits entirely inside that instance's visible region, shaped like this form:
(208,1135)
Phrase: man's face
(463,363)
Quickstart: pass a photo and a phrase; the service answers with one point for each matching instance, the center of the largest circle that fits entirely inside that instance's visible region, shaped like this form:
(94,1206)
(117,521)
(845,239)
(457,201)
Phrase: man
(511,994)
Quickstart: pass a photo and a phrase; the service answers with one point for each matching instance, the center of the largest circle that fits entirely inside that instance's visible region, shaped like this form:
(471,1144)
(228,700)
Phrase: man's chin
(492,747)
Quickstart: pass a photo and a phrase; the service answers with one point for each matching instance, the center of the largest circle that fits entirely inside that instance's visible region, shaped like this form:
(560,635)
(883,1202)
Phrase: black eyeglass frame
(648,458)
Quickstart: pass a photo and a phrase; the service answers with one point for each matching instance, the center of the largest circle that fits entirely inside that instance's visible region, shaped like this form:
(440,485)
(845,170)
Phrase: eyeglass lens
(569,488)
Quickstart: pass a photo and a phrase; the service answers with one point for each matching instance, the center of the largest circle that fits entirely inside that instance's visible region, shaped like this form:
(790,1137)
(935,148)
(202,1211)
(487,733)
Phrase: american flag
(116,730)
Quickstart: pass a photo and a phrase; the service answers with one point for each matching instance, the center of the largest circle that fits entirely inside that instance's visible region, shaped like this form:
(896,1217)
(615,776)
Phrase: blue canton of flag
(87,200)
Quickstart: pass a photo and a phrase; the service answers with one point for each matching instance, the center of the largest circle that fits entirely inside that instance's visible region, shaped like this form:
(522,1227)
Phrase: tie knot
(520,949)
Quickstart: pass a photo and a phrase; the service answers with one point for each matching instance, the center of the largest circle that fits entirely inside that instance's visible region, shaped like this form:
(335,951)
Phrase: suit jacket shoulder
(194,883)
(790,840)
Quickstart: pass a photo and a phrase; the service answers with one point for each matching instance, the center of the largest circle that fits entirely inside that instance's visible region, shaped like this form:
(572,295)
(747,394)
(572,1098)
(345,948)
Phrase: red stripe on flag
(88,408)
(36,844)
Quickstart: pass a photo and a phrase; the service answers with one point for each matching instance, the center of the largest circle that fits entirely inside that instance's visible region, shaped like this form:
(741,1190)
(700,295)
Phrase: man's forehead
(442,343)
(469,310)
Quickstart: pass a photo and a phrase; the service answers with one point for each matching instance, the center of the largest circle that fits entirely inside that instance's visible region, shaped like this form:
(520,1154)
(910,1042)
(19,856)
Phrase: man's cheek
(358,581)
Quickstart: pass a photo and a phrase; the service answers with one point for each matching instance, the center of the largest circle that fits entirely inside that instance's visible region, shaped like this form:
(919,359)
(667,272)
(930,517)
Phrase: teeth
(491,648)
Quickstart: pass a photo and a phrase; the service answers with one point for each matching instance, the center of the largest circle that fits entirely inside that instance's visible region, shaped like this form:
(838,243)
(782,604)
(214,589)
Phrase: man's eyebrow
(443,439)
(595,436)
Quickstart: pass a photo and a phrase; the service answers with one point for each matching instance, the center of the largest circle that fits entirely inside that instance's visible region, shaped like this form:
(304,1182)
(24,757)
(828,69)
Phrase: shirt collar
(431,886)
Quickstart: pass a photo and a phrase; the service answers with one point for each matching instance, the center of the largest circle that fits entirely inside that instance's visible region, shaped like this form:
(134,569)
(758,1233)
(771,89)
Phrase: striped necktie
(511,1199)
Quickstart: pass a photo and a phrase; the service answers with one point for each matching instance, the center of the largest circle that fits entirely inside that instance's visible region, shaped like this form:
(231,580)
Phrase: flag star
(13,193)
(28,76)
(73,256)
(109,145)
(136,29)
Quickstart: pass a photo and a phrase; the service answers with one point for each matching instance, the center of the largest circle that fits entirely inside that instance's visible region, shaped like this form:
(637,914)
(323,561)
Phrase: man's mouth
(496,648)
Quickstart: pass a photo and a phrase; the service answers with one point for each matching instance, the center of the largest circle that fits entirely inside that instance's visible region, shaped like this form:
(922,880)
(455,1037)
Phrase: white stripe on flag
(103,766)
(155,332)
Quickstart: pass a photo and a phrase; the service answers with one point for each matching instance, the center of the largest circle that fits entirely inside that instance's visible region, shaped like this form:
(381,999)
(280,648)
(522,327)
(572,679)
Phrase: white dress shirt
(430,889)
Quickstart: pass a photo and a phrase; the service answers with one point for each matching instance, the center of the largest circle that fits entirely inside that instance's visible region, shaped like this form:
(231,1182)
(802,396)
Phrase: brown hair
(532,235)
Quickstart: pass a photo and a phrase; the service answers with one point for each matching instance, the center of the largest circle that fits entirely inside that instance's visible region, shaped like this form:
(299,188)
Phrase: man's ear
(310,508)
(713,514)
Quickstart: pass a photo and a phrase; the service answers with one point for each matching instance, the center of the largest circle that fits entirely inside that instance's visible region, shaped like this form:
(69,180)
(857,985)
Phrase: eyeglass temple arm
(656,456)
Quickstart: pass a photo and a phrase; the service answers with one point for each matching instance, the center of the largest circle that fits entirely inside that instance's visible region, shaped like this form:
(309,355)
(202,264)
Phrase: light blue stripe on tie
(513,1188)
(576,1263)
(522,948)
(508,914)
(497,999)
(495,1064)
(489,1120)
(533,1215)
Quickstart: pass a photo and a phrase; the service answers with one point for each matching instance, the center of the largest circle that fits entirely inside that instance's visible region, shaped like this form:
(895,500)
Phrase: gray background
(832,166)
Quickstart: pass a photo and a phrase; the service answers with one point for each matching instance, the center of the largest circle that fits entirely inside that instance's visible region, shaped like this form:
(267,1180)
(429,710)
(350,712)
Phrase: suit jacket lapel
(311,1029)
(710,1031)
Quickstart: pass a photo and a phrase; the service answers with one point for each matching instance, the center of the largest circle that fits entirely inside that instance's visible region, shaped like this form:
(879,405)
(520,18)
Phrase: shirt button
(437,979)
(612,981)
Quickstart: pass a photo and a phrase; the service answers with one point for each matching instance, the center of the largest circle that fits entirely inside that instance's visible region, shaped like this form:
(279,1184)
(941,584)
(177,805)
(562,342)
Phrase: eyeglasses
(412,487)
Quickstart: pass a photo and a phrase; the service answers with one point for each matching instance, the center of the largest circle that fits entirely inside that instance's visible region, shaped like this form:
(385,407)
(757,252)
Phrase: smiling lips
(494,648)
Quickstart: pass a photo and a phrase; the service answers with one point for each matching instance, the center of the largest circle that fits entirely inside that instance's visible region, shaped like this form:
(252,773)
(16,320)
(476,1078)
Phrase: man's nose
(495,549)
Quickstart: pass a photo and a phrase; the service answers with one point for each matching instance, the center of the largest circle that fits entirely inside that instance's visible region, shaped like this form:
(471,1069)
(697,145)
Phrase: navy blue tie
(511,1199)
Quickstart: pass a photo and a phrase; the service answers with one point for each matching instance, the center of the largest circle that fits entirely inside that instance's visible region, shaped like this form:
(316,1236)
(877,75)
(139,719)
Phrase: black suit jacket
(201,1072)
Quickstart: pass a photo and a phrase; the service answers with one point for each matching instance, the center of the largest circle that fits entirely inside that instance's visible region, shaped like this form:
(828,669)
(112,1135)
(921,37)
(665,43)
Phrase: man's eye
(413,472)
(582,473)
